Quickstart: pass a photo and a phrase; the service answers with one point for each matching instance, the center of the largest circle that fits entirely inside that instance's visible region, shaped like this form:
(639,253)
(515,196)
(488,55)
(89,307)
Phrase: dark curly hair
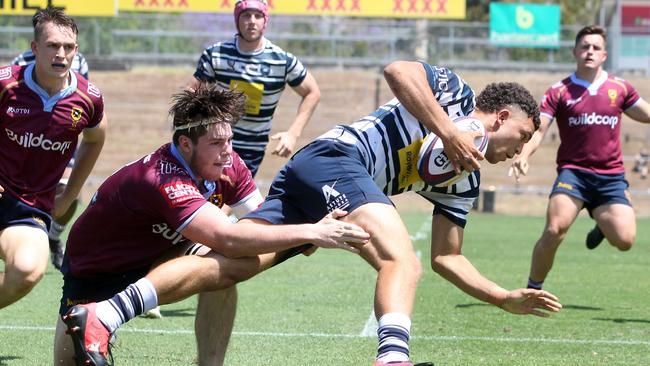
(499,95)
(54,15)
(194,110)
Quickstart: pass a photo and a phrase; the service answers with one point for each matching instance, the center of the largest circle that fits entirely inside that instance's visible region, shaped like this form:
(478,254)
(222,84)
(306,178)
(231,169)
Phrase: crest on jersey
(217,199)
(76,114)
(612,94)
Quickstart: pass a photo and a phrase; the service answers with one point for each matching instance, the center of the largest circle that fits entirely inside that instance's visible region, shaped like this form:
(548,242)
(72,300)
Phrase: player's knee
(624,243)
(554,234)
(22,279)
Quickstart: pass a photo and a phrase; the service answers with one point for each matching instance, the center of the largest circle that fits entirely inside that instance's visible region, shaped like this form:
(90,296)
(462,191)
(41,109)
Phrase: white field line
(335,335)
(371,326)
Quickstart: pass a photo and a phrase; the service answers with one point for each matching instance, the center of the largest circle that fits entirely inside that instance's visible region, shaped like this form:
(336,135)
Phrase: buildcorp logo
(593,119)
(29,140)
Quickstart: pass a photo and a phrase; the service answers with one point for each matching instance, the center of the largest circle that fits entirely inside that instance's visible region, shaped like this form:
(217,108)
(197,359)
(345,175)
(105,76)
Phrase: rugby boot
(594,238)
(89,336)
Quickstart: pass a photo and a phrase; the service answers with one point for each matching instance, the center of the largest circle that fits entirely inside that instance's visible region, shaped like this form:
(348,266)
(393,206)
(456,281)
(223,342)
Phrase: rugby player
(588,107)
(58,225)
(117,259)
(357,167)
(43,109)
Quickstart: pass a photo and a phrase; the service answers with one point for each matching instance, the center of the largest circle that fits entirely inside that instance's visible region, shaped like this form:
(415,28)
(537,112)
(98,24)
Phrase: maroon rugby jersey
(138,212)
(589,120)
(39,133)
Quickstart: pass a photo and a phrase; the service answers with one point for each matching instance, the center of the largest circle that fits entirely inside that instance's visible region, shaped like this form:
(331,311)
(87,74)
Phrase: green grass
(311,311)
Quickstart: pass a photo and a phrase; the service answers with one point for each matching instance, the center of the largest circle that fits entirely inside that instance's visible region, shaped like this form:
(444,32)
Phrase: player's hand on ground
(286,144)
(518,168)
(334,233)
(461,151)
(529,301)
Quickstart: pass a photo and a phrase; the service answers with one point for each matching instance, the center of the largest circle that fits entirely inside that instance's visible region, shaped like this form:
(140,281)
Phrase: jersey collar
(49,101)
(592,87)
(251,53)
(208,186)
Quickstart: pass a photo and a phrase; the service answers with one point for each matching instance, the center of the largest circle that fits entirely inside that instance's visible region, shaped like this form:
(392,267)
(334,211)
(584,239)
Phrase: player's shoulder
(10,74)
(564,83)
(89,89)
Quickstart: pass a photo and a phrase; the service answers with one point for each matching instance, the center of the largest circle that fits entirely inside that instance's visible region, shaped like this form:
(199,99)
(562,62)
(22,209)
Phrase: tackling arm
(211,227)
(408,82)
(310,93)
(87,154)
(448,261)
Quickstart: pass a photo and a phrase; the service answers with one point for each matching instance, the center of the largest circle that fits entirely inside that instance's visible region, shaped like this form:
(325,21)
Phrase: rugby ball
(433,165)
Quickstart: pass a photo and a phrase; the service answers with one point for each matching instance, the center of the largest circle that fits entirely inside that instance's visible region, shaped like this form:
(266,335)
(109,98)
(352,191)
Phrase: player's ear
(185,143)
(501,116)
(33,46)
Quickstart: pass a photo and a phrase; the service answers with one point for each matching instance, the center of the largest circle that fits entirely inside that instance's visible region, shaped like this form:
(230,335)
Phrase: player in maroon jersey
(43,109)
(157,208)
(588,107)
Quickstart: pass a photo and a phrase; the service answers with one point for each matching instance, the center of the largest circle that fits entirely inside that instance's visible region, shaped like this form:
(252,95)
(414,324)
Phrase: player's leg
(24,250)
(391,253)
(215,317)
(63,347)
(618,223)
(561,213)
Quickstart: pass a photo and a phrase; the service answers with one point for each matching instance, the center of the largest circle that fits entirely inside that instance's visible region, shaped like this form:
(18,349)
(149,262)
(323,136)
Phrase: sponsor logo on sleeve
(94,91)
(178,193)
(5,73)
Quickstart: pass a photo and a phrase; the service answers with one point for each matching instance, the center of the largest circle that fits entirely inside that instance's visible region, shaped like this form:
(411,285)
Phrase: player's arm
(640,111)
(448,261)
(211,227)
(248,204)
(408,82)
(520,165)
(91,145)
(310,94)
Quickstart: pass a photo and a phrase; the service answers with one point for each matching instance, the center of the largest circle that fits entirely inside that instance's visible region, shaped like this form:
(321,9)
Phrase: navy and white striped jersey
(260,75)
(79,63)
(390,138)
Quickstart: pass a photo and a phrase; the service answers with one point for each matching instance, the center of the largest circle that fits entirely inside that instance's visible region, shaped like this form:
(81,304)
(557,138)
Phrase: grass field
(314,311)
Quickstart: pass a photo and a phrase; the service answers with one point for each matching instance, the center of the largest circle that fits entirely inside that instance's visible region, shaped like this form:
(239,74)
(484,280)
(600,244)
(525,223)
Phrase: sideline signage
(433,9)
(71,7)
(525,25)
(635,19)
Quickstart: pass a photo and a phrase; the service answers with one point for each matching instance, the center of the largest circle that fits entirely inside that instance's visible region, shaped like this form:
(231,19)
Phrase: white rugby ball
(433,165)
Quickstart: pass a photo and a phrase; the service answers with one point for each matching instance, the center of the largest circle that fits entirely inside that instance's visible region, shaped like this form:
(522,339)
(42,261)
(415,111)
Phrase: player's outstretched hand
(530,301)
(461,151)
(334,233)
(518,168)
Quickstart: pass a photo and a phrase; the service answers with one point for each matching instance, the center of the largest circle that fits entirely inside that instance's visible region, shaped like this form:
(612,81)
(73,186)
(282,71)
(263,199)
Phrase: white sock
(136,299)
(394,333)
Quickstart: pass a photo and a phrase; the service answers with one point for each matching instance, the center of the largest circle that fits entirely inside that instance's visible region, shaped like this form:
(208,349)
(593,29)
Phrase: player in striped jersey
(255,66)
(356,167)
(588,106)
(58,225)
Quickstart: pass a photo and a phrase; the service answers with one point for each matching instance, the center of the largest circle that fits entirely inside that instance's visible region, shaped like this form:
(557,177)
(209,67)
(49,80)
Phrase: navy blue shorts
(323,176)
(78,290)
(592,188)
(252,159)
(14,212)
